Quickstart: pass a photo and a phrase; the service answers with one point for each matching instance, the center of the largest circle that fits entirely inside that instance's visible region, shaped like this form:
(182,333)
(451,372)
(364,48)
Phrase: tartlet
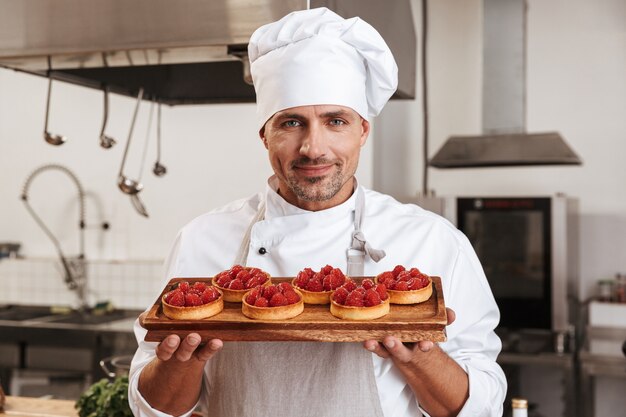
(224,280)
(367,301)
(186,303)
(406,286)
(316,287)
(287,305)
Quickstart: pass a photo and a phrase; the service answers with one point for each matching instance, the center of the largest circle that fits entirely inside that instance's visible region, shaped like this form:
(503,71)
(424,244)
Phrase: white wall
(576,84)
(212,153)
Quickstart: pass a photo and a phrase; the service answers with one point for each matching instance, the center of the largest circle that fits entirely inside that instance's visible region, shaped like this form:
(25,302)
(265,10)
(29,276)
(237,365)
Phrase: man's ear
(262,136)
(365,126)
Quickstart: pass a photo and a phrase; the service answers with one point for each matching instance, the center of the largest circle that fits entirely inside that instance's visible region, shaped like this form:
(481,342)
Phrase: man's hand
(439,384)
(392,347)
(189,348)
(171,382)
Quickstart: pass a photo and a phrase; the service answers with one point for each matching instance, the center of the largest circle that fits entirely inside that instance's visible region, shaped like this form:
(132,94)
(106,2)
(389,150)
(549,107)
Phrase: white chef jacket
(294,238)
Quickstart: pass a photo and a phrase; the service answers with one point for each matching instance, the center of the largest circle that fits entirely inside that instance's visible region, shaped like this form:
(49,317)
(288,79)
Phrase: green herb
(105,399)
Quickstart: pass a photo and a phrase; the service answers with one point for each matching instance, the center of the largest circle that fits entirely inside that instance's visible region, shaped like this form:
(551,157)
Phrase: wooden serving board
(410,323)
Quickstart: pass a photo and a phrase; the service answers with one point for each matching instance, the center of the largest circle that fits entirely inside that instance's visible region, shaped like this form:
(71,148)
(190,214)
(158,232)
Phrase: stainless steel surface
(181,52)
(128,185)
(106,141)
(504,150)
(504,140)
(75,272)
(51,138)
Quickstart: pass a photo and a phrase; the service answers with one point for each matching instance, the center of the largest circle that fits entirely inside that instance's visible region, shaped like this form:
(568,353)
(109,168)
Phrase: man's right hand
(172,382)
(188,348)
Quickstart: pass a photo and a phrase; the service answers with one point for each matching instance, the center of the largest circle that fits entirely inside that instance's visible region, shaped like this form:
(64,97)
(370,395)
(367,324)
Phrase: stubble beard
(317,188)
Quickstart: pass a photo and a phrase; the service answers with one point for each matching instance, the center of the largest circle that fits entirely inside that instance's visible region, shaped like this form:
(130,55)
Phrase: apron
(288,379)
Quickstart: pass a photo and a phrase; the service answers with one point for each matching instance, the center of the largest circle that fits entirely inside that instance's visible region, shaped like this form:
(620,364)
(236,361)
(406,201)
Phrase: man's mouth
(313,170)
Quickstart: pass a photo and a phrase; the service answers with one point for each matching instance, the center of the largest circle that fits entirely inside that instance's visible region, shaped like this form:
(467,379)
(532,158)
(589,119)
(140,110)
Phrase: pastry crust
(273,313)
(410,296)
(202,311)
(359,313)
(236,296)
(313,297)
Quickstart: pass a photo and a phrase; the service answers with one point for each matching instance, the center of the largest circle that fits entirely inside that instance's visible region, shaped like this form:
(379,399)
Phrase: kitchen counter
(38,407)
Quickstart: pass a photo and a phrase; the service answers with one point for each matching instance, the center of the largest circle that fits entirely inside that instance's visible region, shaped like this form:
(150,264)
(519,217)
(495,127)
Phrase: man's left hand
(392,347)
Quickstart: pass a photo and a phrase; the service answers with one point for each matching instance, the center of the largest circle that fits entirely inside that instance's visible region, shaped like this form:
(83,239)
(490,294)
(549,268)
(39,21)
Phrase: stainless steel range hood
(180,52)
(504,141)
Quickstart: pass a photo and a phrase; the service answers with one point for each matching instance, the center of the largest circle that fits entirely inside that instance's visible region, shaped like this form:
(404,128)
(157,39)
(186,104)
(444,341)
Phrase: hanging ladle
(159,169)
(106,141)
(127,185)
(51,138)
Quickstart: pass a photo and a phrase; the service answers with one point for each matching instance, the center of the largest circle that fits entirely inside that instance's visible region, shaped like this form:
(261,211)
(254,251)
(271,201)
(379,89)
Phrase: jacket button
(262,251)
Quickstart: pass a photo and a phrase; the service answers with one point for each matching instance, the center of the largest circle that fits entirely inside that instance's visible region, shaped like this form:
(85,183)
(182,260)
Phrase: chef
(319,80)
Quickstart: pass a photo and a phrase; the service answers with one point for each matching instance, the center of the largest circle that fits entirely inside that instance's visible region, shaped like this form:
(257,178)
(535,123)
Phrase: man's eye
(291,123)
(337,122)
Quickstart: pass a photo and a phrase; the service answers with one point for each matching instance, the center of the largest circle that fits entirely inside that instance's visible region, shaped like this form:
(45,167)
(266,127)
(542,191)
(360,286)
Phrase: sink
(45,314)
(77,317)
(22,312)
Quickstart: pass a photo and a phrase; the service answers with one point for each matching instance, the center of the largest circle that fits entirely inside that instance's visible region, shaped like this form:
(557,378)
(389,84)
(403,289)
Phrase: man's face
(314,152)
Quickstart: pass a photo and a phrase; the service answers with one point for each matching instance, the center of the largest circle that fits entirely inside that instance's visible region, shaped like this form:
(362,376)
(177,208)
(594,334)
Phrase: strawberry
(243,276)
(224,280)
(327,282)
(177,299)
(291,296)
(336,281)
(397,270)
(340,295)
(277,300)
(284,286)
(269,291)
(337,273)
(326,270)
(209,295)
(184,286)
(235,270)
(236,284)
(349,285)
(415,272)
(371,298)
(314,285)
(192,299)
(355,299)
(403,276)
(381,290)
(401,286)
(253,282)
(261,302)
(199,286)
(302,279)
(254,271)
(367,283)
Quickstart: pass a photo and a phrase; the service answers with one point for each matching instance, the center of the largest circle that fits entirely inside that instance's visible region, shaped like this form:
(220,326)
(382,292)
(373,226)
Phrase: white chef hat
(314,57)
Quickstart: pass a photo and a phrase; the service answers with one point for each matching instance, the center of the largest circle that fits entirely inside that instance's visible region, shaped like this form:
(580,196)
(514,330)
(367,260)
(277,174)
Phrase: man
(319,80)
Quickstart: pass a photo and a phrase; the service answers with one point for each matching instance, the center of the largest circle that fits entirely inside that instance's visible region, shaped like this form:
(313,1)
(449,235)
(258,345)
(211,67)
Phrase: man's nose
(314,142)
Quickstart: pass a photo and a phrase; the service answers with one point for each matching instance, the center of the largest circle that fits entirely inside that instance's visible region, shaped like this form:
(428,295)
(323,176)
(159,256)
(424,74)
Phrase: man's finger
(210,349)
(187,347)
(397,349)
(451,315)
(167,347)
(375,347)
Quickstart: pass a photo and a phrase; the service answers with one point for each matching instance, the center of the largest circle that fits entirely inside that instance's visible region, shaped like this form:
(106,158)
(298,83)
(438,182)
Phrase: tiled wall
(38,281)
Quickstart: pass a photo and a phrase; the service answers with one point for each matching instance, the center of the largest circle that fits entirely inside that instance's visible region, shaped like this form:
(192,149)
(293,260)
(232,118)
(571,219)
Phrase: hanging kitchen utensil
(51,138)
(159,170)
(128,185)
(106,141)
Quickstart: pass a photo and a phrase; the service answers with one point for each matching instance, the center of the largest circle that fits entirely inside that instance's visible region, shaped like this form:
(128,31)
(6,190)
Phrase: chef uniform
(367,234)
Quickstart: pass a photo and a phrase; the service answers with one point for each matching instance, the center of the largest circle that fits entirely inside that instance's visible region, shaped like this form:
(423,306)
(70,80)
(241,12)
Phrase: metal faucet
(75,270)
